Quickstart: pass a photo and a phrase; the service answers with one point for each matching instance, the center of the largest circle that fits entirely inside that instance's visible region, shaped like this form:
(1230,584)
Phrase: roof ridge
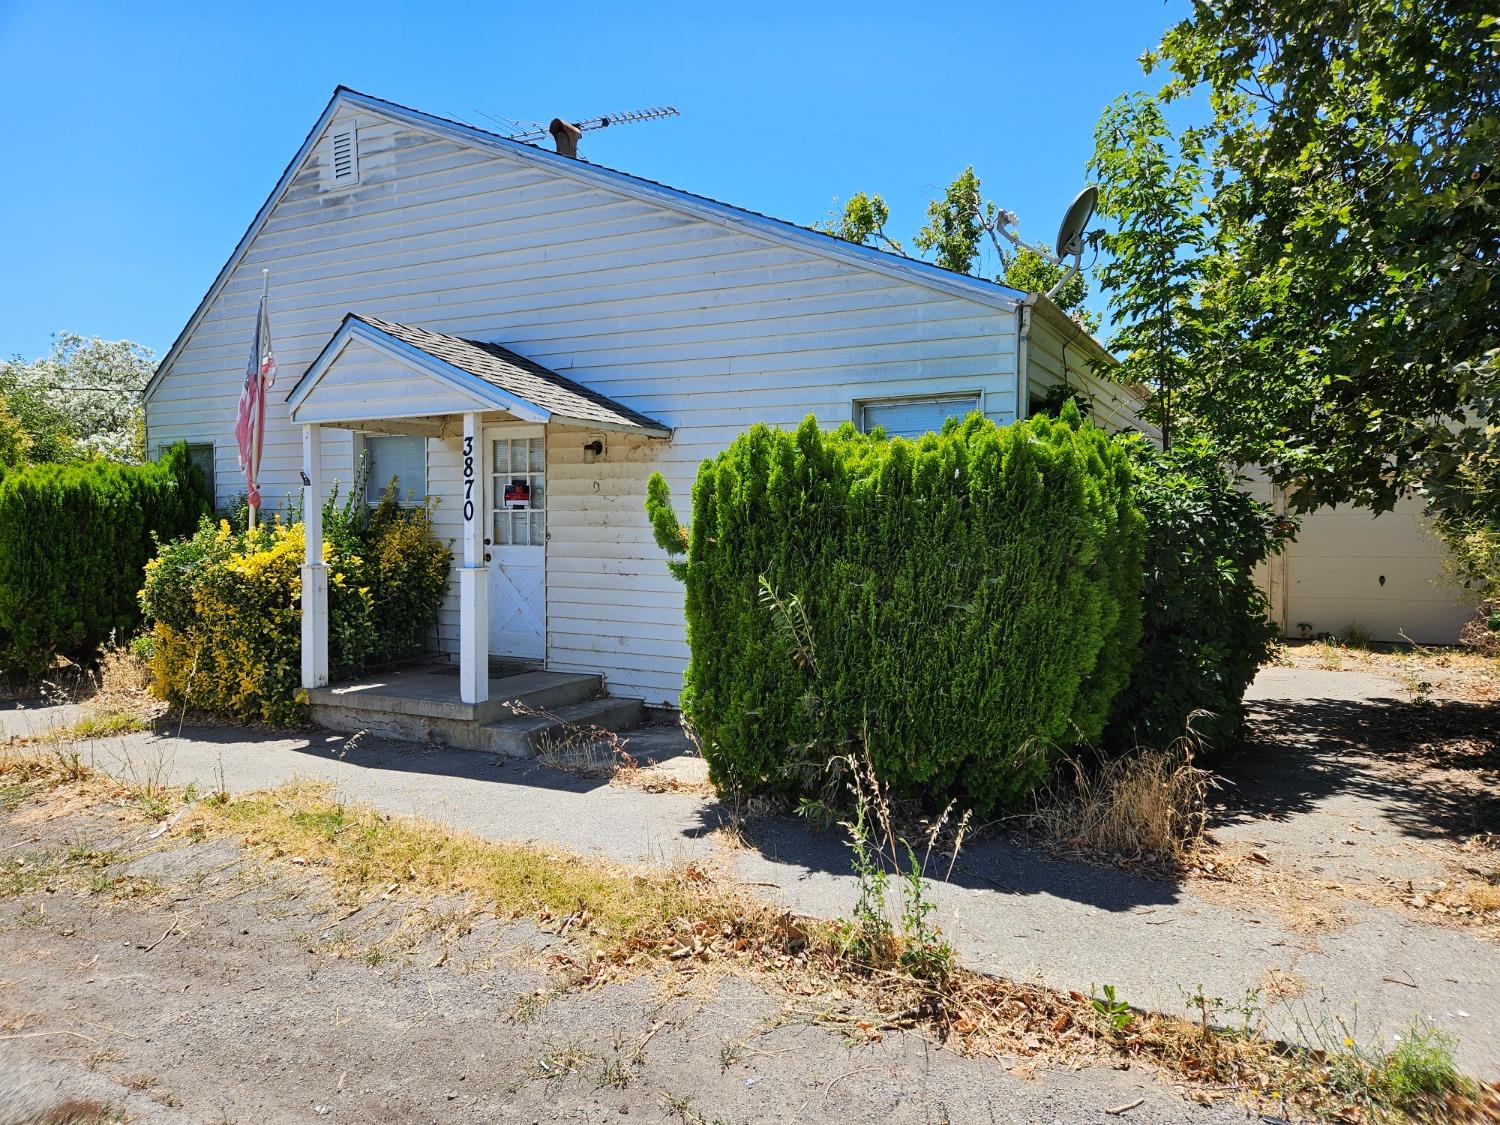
(904,259)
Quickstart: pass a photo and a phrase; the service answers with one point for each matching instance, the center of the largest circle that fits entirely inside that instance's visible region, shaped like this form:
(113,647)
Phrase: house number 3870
(468,479)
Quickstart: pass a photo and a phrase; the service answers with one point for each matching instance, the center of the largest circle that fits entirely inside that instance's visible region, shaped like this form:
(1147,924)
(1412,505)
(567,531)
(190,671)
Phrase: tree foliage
(863,221)
(1205,629)
(225,613)
(82,399)
(1154,246)
(963,606)
(1349,299)
(961,229)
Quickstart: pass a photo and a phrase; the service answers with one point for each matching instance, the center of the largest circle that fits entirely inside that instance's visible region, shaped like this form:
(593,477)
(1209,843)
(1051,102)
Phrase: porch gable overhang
(452,376)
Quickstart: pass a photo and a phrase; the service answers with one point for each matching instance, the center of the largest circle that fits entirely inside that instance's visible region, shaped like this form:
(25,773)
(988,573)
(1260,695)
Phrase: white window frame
(404,500)
(213,460)
(861,405)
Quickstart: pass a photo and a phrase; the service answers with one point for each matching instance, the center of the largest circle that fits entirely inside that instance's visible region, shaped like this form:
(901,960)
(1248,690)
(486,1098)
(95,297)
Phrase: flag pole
(258,419)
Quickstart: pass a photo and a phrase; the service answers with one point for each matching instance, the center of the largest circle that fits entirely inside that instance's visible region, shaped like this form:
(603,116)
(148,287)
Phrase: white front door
(518,541)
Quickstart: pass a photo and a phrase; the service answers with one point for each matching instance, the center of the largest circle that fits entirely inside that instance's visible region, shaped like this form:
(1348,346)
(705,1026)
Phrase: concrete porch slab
(431,692)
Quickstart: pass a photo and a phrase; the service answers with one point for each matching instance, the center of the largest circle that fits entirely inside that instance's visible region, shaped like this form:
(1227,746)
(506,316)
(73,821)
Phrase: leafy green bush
(407,575)
(964,605)
(226,613)
(1204,627)
(74,540)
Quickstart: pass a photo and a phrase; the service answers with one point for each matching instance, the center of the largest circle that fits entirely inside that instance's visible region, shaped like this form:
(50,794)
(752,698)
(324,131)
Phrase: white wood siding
(703,326)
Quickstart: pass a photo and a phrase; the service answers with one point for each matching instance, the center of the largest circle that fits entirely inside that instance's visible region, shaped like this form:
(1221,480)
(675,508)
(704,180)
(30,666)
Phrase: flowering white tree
(82,399)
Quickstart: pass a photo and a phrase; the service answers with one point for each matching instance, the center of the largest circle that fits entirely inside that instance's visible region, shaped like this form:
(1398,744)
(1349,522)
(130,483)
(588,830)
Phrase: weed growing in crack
(871,937)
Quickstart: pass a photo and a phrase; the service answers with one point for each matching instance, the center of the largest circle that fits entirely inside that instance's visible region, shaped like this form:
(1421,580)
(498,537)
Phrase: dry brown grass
(1304,902)
(79,1111)
(1427,671)
(1308,902)
(1149,807)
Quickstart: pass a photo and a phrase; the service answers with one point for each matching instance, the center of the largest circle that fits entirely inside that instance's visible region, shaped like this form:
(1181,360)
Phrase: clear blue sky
(141,138)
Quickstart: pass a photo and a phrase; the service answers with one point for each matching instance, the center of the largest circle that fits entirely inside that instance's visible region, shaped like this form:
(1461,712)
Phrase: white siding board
(706,328)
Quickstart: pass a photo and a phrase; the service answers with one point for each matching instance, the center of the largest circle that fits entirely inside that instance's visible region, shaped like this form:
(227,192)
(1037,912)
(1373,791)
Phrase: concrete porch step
(432,693)
(422,704)
(523,735)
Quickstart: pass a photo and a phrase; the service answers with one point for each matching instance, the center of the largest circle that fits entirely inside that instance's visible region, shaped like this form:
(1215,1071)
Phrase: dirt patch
(1424,672)
(351,887)
(253,989)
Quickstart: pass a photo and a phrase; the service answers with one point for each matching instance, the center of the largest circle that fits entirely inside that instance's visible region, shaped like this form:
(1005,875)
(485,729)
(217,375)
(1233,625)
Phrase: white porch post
(314,572)
(473,576)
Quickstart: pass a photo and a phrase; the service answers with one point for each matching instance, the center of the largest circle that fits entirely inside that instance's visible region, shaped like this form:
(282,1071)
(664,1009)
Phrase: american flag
(250,426)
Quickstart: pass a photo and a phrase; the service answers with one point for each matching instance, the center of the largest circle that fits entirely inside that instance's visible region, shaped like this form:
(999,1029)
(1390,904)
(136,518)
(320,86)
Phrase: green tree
(15,442)
(1155,246)
(83,398)
(1028,270)
(863,221)
(959,226)
(1349,301)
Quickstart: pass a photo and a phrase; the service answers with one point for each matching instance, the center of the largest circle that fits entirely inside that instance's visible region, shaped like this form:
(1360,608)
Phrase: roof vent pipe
(565,135)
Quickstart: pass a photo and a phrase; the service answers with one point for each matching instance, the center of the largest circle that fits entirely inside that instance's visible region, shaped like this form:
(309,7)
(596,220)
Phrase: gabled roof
(488,375)
(699,206)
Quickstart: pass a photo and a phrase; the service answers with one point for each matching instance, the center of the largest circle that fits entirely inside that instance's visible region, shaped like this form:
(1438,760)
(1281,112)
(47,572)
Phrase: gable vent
(343,160)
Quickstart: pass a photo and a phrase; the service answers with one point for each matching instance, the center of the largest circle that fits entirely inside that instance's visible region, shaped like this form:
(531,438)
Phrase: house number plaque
(468,478)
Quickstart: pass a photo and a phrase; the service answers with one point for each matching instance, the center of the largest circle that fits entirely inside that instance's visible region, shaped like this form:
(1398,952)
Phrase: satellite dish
(1075,222)
(1070,235)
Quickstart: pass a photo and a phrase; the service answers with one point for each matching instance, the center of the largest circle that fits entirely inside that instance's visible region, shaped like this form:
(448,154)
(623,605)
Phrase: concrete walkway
(1008,908)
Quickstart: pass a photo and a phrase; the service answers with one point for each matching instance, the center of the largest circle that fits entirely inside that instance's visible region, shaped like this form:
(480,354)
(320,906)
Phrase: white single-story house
(485,317)
(524,337)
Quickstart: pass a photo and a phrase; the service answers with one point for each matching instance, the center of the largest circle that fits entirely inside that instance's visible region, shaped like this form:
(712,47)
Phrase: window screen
(913,417)
(203,457)
(404,458)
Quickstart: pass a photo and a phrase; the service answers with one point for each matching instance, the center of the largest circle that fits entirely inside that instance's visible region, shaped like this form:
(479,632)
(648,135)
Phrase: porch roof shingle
(517,375)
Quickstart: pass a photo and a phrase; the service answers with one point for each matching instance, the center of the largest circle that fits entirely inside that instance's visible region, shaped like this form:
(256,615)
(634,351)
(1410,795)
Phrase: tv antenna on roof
(540,132)
(1069,235)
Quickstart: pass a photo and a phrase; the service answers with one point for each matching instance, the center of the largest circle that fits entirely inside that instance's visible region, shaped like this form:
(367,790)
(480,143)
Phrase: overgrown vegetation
(1205,629)
(74,541)
(963,606)
(1307,271)
(224,605)
(1147,806)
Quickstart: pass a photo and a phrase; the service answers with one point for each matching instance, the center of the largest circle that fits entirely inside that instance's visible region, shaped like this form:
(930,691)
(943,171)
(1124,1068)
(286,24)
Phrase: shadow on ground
(1434,768)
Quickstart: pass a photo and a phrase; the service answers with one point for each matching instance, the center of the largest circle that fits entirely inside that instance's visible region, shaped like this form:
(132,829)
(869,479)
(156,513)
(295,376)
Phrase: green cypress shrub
(74,540)
(1205,626)
(964,606)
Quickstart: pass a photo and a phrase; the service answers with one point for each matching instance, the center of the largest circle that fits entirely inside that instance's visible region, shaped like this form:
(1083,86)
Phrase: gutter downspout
(1023,356)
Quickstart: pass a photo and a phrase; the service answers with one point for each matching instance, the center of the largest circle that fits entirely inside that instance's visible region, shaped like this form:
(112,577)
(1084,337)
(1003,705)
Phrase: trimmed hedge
(74,540)
(965,606)
(1205,627)
(226,612)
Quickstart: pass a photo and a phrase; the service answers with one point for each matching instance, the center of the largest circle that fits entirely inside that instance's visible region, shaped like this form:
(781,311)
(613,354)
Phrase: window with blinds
(400,457)
(913,417)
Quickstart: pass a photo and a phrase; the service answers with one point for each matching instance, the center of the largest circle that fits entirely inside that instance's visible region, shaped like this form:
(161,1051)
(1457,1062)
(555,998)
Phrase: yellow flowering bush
(226,613)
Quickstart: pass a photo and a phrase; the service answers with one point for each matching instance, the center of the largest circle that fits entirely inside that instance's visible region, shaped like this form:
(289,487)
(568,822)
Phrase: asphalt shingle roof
(517,375)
